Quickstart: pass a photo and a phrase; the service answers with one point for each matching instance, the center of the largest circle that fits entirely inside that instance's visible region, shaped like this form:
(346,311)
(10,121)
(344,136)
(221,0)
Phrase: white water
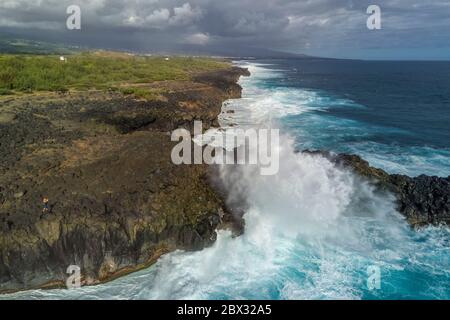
(311,232)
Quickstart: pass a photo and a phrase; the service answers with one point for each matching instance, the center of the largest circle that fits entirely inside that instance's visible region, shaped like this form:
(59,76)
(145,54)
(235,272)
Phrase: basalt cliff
(116,200)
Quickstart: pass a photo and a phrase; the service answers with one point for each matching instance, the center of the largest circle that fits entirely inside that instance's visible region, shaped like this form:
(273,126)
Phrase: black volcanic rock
(422,200)
(116,200)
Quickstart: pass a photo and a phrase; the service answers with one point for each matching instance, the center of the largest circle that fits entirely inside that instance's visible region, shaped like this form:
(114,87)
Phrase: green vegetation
(98,70)
(5,92)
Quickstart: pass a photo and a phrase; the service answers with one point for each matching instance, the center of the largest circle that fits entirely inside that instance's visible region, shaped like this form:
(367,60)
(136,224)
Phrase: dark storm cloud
(321,27)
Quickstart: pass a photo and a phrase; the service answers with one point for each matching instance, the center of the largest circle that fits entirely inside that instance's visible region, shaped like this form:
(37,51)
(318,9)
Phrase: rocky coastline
(116,201)
(422,200)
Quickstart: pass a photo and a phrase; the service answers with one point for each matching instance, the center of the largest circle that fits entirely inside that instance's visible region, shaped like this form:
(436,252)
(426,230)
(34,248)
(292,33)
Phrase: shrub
(4,92)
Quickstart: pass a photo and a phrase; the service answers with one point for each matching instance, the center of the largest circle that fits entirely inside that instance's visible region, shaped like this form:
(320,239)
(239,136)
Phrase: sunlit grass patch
(99,70)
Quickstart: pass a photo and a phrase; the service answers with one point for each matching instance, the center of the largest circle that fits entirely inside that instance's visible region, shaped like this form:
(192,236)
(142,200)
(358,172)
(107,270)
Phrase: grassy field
(95,70)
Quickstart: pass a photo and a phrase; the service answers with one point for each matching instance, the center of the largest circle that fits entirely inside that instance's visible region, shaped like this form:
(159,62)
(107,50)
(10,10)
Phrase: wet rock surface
(116,200)
(423,200)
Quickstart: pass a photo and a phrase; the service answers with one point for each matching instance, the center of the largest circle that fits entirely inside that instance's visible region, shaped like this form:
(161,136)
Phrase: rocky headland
(423,200)
(102,158)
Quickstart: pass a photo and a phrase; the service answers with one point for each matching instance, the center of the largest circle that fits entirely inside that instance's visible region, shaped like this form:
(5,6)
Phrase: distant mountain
(240,52)
(14,45)
(34,47)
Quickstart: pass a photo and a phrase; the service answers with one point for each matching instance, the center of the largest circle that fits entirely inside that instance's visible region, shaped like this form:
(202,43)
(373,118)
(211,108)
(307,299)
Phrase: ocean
(314,231)
(396,115)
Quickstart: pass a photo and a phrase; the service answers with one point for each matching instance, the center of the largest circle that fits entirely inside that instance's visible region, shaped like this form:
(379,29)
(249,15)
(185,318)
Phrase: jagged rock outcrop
(422,200)
(116,200)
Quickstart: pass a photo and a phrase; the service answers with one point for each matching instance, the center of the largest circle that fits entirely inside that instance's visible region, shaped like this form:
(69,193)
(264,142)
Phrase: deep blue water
(395,114)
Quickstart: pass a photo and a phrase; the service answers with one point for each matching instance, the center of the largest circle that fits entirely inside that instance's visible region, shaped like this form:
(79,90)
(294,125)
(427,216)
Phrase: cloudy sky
(411,29)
